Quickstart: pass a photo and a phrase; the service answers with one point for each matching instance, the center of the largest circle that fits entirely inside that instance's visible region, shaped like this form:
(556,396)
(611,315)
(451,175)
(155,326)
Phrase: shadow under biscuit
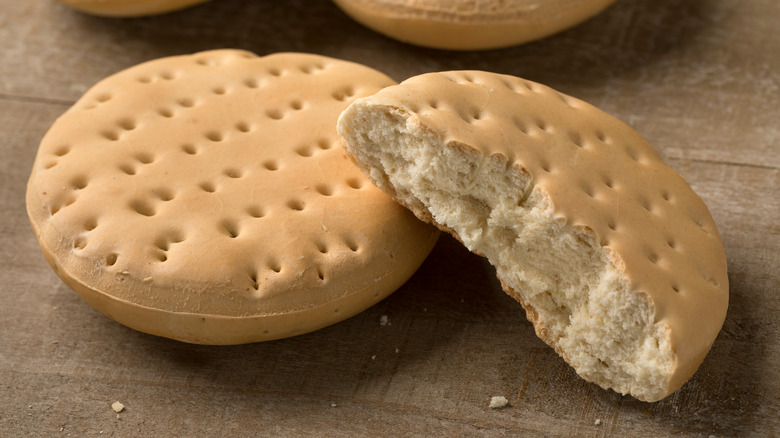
(452,298)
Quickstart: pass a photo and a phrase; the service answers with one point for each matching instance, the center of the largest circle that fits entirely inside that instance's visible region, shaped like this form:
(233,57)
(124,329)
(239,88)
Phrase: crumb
(397,351)
(117,407)
(597,422)
(373,356)
(383,320)
(498,401)
(333,405)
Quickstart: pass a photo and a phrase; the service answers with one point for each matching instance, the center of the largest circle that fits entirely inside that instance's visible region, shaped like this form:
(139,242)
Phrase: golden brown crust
(183,198)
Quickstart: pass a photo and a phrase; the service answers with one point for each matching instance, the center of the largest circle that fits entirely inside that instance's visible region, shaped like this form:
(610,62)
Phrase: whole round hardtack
(205,198)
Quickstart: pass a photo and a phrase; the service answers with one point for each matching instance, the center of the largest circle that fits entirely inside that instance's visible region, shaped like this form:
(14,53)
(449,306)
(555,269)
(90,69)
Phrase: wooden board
(700,80)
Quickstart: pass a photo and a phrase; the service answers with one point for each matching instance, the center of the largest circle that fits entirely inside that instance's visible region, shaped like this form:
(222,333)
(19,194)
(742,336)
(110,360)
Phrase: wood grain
(700,80)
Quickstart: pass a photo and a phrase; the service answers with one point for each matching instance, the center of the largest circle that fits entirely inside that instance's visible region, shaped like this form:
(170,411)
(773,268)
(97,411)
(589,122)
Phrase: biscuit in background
(129,8)
(470,24)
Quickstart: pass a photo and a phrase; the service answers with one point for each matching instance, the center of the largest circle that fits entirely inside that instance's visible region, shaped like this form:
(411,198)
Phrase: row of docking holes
(322,247)
(517,85)
(340,93)
(143,158)
(129,124)
(164,244)
(275,71)
(272,71)
(306,151)
(146,207)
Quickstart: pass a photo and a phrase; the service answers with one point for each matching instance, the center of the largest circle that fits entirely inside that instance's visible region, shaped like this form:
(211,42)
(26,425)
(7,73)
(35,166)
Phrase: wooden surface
(699,79)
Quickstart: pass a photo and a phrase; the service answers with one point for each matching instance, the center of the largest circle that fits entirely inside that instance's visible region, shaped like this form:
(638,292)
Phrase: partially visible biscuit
(129,8)
(205,198)
(469,24)
(616,260)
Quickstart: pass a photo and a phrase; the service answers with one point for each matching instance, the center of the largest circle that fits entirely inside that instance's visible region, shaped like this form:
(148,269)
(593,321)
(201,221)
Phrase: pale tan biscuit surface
(616,260)
(129,8)
(205,198)
(469,24)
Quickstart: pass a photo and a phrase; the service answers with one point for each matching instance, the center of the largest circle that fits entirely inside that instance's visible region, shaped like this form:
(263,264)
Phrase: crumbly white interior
(585,308)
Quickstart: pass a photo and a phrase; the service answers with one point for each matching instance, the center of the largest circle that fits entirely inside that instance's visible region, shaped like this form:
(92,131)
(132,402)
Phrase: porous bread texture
(469,24)
(446,147)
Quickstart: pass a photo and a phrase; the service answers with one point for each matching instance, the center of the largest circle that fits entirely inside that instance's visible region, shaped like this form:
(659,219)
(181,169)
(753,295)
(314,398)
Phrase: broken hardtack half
(616,260)
(204,198)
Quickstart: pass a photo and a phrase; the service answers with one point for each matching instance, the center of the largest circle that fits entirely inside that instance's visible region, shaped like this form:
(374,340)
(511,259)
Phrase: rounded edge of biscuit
(440,27)
(129,8)
(211,329)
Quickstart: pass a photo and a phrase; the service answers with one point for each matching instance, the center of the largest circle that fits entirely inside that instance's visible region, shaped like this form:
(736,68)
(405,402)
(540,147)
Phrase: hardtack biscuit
(616,260)
(129,8)
(468,24)
(204,198)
